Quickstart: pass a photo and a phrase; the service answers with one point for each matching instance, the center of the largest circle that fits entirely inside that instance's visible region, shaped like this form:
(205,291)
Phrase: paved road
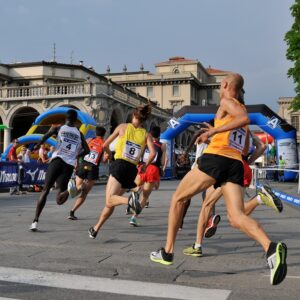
(61,262)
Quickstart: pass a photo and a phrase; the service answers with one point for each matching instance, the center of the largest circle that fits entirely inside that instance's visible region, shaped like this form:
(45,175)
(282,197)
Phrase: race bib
(92,157)
(68,147)
(146,156)
(132,151)
(237,139)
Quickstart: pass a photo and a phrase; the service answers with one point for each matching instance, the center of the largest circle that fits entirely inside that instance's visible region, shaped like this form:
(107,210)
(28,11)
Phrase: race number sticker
(237,139)
(92,157)
(132,151)
(146,156)
(68,147)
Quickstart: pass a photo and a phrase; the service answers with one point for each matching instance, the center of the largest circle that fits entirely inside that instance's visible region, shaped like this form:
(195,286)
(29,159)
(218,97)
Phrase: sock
(35,220)
(272,249)
(197,245)
(259,200)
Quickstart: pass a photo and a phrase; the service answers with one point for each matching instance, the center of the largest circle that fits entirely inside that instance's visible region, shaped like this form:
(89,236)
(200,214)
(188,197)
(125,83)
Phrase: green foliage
(292,39)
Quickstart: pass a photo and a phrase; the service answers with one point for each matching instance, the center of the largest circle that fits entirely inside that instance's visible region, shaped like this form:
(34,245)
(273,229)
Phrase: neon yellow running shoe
(160,256)
(270,199)
(197,252)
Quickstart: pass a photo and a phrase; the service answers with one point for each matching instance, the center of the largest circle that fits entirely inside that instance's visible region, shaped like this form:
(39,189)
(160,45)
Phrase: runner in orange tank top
(222,165)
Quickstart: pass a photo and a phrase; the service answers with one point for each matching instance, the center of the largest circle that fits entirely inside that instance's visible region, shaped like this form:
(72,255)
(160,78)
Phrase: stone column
(7,138)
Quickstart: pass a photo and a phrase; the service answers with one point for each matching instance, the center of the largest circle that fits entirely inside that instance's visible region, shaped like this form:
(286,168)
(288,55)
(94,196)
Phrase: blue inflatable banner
(34,173)
(287,198)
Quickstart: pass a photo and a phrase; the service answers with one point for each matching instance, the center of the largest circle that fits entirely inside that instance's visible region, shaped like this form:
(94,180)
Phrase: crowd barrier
(34,173)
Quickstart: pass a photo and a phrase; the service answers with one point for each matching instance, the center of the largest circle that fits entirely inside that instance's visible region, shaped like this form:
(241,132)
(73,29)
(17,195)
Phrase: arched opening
(129,117)
(1,136)
(22,121)
(115,120)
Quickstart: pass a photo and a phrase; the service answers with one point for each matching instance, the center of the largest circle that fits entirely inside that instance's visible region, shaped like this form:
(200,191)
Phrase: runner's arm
(52,131)
(84,150)
(111,138)
(151,149)
(164,157)
(260,148)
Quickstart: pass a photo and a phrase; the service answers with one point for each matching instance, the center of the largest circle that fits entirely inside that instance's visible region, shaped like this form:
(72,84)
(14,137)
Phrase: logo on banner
(173,123)
(32,174)
(273,122)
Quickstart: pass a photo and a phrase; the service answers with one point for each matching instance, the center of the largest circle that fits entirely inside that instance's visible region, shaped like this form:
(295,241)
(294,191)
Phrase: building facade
(29,89)
(292,117)
(175,83)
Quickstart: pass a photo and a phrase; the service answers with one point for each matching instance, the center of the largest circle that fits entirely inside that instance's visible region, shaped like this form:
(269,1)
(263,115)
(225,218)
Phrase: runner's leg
(88,185)
(194,182)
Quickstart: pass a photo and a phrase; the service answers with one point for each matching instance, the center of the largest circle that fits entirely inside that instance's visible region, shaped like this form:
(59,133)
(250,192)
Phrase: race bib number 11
(237,139)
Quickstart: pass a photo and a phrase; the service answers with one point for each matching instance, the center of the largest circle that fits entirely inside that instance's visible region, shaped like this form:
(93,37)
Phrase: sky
(245,36)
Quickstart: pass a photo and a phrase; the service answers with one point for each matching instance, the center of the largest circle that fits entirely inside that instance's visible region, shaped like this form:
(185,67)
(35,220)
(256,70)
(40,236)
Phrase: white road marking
(2,298)
(294,277)
(107,285)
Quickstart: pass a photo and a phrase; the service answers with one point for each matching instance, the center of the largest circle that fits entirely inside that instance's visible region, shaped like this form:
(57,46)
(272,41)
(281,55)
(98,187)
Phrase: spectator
(281,166)
(12,157)
(43,158)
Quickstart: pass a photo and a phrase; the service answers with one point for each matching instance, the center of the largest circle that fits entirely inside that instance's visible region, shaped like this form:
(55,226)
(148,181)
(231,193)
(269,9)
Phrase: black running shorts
(60,172)
(125,172)
(222,169)
(87,171)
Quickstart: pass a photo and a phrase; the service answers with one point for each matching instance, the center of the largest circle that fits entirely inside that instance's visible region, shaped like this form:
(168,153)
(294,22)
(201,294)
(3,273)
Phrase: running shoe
(133,202)
(147,204)
(133,221)
(270,199)
(92,233)
(211,226)
(72,216)
(277,264)
(128,210)
(193,251)
(160,256)
(72,188)
(34,226)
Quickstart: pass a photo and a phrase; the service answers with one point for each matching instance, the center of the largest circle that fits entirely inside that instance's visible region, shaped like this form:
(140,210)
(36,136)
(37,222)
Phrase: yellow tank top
(131,145)
(229,143)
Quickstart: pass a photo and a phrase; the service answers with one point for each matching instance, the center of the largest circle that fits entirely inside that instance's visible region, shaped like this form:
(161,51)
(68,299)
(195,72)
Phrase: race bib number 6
(237,139)
(132,151)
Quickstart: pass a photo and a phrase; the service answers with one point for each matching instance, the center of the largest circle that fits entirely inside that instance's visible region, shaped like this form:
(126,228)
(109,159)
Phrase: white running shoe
(72,188)
(33,226)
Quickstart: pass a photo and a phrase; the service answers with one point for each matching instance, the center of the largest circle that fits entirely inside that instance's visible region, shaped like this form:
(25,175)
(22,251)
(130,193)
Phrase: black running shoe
(72,216)
(92,233)
(277,264)
(133,202)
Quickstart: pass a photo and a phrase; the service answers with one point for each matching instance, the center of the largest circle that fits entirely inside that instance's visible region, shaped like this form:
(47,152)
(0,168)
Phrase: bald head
(235,81)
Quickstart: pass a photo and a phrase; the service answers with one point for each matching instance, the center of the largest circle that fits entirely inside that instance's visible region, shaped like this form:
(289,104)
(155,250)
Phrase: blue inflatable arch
(260,115)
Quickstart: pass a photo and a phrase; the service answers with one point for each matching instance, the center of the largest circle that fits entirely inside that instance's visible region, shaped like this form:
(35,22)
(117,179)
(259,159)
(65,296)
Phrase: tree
(292,38)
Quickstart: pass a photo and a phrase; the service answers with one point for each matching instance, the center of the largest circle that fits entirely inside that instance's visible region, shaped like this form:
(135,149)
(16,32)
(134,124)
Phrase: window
(209,94)
(175,90)
(295,122)
(150,92)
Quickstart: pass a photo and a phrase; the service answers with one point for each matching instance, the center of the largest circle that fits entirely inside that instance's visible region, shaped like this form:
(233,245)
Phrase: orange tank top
(229,143)
(96,150)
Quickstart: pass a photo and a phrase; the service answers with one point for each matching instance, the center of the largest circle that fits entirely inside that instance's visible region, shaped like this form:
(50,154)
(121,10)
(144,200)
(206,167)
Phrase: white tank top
(68,144)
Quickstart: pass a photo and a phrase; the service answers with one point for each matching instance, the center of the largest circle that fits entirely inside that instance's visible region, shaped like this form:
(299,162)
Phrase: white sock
(259,200)
(197,245)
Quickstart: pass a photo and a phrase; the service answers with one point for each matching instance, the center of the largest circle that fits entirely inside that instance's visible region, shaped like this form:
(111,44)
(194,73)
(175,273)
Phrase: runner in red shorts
(150,179)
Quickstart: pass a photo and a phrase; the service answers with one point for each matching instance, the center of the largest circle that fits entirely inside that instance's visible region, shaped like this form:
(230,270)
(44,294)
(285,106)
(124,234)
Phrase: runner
(70,145)
(207,225)
(88,171)
(151,178)
(221,165)
(131,143)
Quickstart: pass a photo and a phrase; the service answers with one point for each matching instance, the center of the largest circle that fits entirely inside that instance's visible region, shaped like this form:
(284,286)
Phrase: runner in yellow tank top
(221,166)
(132,139)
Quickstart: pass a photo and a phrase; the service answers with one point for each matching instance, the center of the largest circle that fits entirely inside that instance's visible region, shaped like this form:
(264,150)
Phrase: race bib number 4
(237,139)
(68,147)
(132,151)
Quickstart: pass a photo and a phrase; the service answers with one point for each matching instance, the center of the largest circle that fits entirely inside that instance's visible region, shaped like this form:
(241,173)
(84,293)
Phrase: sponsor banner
(34,173)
